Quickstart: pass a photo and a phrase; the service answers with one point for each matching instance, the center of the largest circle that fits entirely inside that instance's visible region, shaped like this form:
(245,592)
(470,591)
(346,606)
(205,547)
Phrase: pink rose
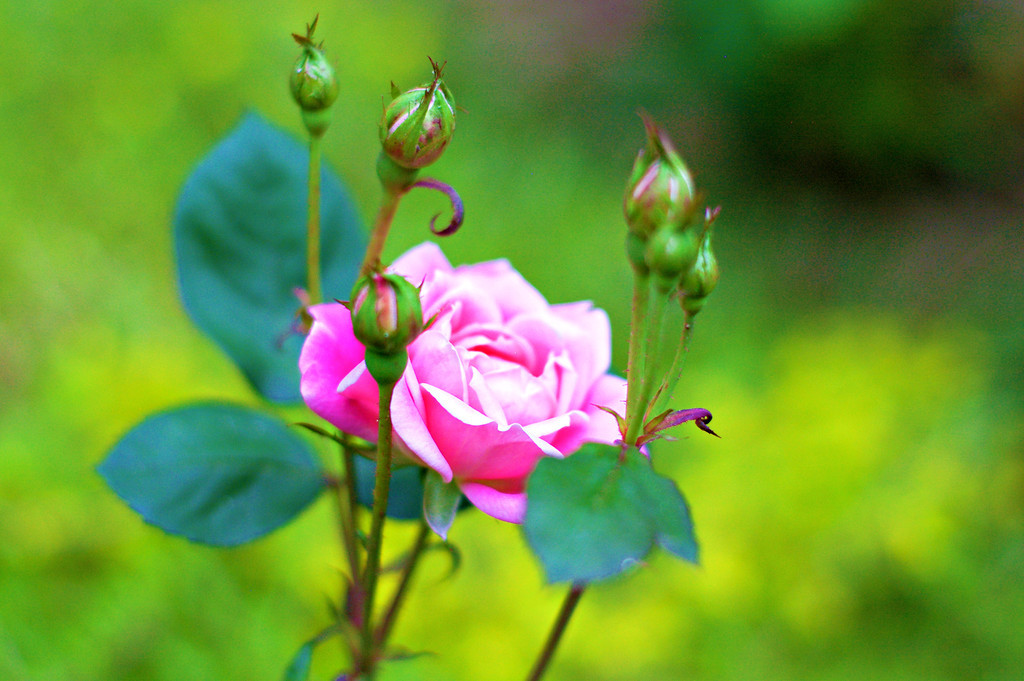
(499,380)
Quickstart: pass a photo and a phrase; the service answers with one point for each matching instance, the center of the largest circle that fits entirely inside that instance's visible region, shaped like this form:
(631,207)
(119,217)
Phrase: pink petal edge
(507,506)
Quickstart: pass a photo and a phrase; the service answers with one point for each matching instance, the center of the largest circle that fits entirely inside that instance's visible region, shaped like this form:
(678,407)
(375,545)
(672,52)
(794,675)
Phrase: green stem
(382,482)
(557,629)
(388,621)
(313,223)
(659,341)
(381,226)
(634,366)
(651,347)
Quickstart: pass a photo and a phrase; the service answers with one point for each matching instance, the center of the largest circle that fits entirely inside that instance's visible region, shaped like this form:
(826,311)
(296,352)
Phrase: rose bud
(660,189)
(702,278)
(313,83)
(419,123)
(386,317)
(671,252)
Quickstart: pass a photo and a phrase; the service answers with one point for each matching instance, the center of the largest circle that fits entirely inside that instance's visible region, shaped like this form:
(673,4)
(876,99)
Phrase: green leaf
(214,473)
(591,516)
(300,665)
(669,511)
(440,503)
(240,242)
(298,670)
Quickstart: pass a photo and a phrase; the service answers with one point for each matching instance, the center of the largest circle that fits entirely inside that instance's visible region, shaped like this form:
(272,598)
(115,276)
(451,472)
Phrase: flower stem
(381,226)
(382,481)
(313,223)
(634,366)
(557,629)
(388,621)
(649,342)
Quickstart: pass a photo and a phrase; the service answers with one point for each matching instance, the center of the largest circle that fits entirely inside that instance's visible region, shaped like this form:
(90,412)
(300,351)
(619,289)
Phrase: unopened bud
(313,83)
(418,124)
(671,253)
(386,317)
(636,249)
(386,312)
(660,189)
(702,278)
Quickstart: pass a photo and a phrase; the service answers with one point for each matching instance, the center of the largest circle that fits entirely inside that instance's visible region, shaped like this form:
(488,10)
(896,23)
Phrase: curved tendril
(458,211)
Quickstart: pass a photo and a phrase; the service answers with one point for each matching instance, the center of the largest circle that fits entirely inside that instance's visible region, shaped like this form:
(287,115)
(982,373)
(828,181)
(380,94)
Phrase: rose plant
(465,376)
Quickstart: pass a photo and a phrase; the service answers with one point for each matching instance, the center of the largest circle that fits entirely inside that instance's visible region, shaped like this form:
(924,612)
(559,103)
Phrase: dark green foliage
(240,240)
(405,497)
(591,516)
(214,473)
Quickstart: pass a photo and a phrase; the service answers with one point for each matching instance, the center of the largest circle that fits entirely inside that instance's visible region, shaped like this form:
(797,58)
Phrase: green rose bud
(386,317)
(418,124)
(313,83)
(671,253)
(660,189)
(636,249)
(702,278)
(386,312)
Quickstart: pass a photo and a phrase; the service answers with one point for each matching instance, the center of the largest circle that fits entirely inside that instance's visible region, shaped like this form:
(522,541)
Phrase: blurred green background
(862,516)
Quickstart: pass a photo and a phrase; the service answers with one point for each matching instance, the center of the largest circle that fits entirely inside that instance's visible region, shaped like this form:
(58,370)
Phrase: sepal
(440,503)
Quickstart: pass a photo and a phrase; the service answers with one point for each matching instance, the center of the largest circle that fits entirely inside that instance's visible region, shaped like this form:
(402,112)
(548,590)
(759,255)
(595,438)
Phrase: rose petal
(500,282)
(572,435)
(541,336)
(328,356)
(474,445)
(609,391)
(562,372)
(508,393)
(459,302)
(411,430)
(437,362)
(547,429)
(587,333)
(484,400)
(507,506)
(501,343)
(351,377)
(421,263)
